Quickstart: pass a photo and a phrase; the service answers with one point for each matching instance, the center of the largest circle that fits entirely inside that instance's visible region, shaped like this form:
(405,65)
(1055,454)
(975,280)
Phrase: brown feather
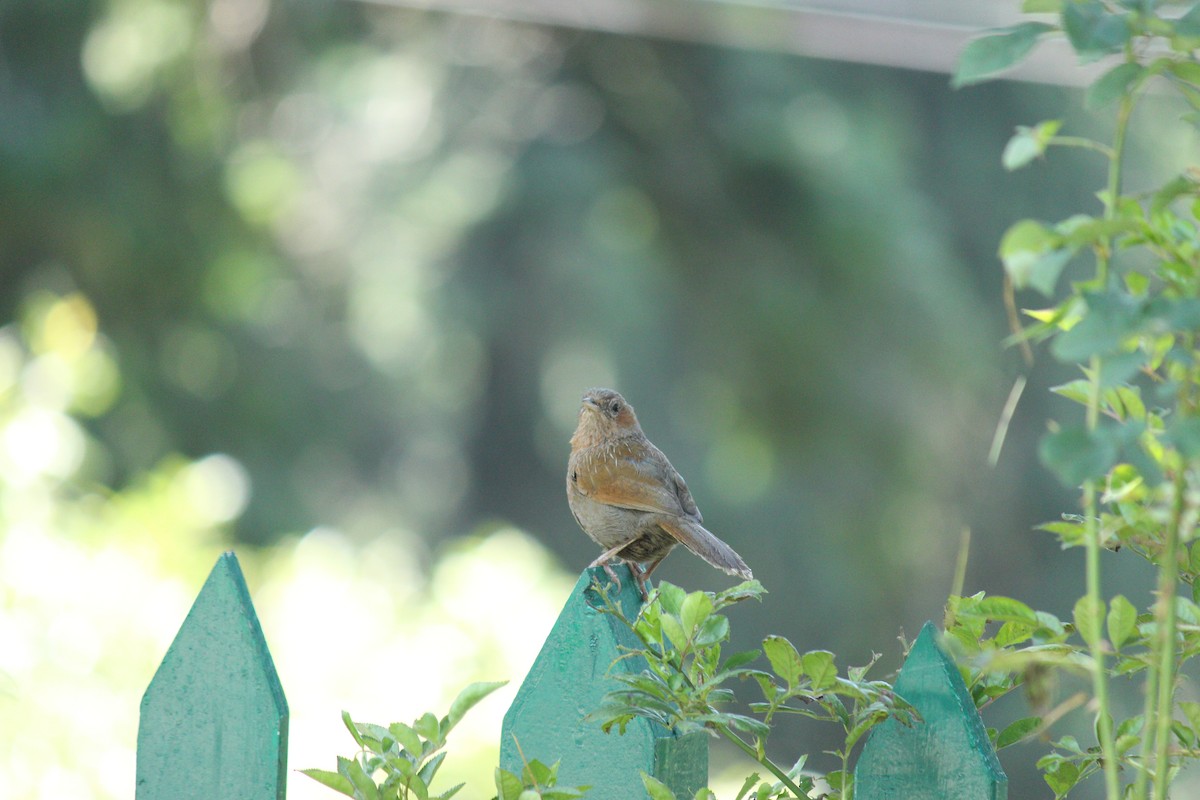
(696,537)
(628,497)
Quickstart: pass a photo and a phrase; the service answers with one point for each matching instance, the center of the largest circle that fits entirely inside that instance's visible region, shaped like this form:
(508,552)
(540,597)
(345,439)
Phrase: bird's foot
(640,575)
(608,570)
(603,561)
(612,574)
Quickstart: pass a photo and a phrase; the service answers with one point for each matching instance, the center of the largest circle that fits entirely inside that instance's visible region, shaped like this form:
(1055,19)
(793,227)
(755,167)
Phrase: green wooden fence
(214,719)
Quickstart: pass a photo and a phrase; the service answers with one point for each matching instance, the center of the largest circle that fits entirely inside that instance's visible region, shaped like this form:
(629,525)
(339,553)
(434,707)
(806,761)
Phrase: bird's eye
(615,406)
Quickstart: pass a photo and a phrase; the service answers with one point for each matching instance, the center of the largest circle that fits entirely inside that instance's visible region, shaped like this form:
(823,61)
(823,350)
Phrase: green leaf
(363,785)
(466,699)
(1029,143)
(418,787)
(1041,6)
(785,660)
(1017,731)
(1122,620)
(1032,256)
(671,597)
(407,737)
(1094,31)
(431,767)
(712,630)
(1111,85)
(656,789)
(1188,71)
(837,779)
(350,726)
(1006,609)
(818,665)
(376,738)
(1011,633)
(428,727)
(1089,618)
(508,785)
(1062,777)
(1137,282)
(1176,187)
(1192,712)
(335,781)
(1075,455)
(996,51)
(1078,390)
(696,608)
(1116,369)
(673,628)
(1109,321)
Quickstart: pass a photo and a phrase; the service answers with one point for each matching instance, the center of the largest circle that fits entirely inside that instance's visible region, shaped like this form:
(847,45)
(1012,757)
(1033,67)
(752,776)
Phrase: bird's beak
(589,403)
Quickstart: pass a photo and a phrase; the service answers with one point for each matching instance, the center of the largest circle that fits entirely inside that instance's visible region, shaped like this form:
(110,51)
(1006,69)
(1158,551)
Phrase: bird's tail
(699,540)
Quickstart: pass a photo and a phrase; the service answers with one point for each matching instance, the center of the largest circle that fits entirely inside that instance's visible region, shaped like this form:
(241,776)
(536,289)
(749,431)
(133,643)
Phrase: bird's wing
(630,474)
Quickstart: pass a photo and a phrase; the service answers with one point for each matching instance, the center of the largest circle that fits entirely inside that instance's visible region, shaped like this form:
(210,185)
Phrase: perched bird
(629,499)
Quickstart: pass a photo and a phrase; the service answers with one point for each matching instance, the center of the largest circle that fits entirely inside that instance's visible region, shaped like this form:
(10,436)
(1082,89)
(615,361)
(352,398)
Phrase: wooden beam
(928,37)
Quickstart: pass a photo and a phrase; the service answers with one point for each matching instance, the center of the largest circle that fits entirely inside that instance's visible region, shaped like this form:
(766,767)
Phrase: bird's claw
(608,570)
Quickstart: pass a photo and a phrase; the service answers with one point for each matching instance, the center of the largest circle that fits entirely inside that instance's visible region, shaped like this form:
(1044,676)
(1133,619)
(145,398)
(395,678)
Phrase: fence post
(547,720)
(214,719)
(947,755)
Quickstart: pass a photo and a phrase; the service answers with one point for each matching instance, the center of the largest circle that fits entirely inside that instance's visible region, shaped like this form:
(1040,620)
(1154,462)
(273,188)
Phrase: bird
(628,498)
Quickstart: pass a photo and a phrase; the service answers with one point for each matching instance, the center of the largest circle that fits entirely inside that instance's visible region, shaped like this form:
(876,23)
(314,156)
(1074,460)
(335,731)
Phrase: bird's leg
(642,574)
(653,566)
(603,560)
(639,575)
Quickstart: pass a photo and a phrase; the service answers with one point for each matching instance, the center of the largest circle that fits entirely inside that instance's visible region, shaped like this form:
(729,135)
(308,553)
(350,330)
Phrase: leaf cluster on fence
(687,687)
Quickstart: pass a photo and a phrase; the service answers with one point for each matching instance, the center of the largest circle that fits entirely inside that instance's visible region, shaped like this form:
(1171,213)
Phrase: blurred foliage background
(324,281)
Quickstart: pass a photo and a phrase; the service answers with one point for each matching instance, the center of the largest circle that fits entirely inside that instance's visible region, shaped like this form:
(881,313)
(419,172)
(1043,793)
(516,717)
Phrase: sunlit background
(323,282)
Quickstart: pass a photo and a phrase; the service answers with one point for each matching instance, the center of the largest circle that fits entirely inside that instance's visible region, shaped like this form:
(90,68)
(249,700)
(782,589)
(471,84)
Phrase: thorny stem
(1142,779)
(774,768)
(1104,725)
(1168,577)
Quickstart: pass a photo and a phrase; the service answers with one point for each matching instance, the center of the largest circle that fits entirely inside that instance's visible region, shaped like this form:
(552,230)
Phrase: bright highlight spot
(217,487)
(741,466)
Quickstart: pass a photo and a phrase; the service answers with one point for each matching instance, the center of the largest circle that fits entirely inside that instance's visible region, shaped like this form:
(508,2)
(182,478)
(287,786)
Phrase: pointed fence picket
(548,720)
(947,754)
(214,718)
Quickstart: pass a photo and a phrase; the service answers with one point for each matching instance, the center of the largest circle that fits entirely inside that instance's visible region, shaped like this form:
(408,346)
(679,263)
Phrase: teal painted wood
(547,720)
(947,756)
(214,719)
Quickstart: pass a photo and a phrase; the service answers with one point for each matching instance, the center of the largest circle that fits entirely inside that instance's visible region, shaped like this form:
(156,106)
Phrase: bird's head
(604,414)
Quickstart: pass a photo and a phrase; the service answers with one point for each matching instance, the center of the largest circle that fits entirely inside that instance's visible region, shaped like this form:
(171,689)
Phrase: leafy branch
(684,686)
(1131,328)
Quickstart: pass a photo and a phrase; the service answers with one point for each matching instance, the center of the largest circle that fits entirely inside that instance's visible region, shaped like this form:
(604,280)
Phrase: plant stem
(1104,725)
(1168,578)
(1141,782)
(1079,141)
(774,768)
